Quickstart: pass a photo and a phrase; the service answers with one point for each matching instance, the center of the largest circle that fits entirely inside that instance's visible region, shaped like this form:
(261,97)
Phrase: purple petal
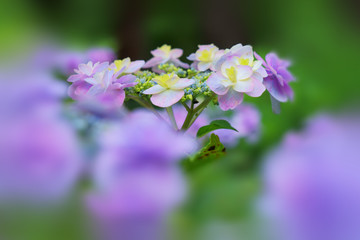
(78,89)
(287,76)
(280,93)
(126,79)
(230,100)
(167,98)
(214,83)
(154,90)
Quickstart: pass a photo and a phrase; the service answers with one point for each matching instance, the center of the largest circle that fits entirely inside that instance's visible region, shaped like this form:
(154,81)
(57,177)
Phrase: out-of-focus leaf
(214,125)
(211,152)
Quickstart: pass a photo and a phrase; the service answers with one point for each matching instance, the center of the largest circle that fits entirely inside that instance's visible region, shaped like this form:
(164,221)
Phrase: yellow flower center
(231,73)
(166,49)
(166,80)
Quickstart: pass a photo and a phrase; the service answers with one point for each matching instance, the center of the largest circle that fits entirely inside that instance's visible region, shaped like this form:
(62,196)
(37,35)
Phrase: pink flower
(165,54)
(87,70)
(169,89)
(104,86)
(206,57)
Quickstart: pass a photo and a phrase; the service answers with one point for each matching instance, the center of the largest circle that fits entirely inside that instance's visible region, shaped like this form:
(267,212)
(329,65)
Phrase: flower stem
(170,112)
(146,104)
(194,113)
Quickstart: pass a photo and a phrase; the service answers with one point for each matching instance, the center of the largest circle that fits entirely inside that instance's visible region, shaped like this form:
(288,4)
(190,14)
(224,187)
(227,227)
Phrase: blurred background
(320,37)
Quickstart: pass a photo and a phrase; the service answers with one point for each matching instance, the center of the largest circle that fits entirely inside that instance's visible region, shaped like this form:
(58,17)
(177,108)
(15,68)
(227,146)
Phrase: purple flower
(100,55)
(87,70)
(245,119)
(165,54)
(312,182)
(40,159)
(277,81)
(136,175)
(105,86)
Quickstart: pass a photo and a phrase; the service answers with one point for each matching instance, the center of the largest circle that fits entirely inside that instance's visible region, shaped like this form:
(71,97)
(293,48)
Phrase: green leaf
(214,125)
(211,152)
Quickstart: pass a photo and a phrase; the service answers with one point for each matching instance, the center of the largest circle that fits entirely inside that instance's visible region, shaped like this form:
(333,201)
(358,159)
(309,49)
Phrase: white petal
(154,90)
(167,98)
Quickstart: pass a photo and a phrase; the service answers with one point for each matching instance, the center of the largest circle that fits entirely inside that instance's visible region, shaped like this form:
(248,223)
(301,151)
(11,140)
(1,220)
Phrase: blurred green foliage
(321,37)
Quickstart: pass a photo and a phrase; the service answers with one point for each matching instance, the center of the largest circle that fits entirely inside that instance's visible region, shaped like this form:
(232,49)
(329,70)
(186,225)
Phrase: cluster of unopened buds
(215,76)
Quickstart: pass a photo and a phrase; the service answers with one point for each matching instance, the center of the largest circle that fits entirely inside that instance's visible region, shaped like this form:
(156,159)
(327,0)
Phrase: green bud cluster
(199,88)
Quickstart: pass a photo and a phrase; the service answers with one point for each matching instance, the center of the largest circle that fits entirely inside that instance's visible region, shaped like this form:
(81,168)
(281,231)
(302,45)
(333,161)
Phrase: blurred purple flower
(313,183)
(100,55)
(39,155)
(245,119)
(136,176)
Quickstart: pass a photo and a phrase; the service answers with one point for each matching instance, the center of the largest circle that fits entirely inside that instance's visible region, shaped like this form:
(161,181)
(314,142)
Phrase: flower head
(87,70)
(165,54)
(169,89)
(277,81)
(105,86)
(206,57)
(127,66)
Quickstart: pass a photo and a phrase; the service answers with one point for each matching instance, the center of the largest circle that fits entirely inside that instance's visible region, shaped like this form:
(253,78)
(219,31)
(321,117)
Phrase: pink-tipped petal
(230,100)
(215,84)
(75,77)
(135,66)
(182,83)
(78,89)
(176,53)
(154,90)
(259,88)
(167,98)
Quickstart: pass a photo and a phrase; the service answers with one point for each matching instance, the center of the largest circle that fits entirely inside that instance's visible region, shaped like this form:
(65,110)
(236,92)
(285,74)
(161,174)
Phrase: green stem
(145,104)
(194,113)
(186,106)
(170,112)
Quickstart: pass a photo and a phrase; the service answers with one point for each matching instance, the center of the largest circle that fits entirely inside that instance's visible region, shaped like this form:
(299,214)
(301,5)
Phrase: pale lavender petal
(192,57)
(182,83)
(126,79)
(135,66)
(176,53)
(179,63)
(273,60)
(202,66)
(167,98)
(153,62)
(258,57)
(75,77)
(154,90)
(215,84)
(101,67)
(230,100)
(244,86)
(243,72)
(96,90)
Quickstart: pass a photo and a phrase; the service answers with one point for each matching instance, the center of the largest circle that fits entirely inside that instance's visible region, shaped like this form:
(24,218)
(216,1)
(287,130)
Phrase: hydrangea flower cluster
(219,76)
